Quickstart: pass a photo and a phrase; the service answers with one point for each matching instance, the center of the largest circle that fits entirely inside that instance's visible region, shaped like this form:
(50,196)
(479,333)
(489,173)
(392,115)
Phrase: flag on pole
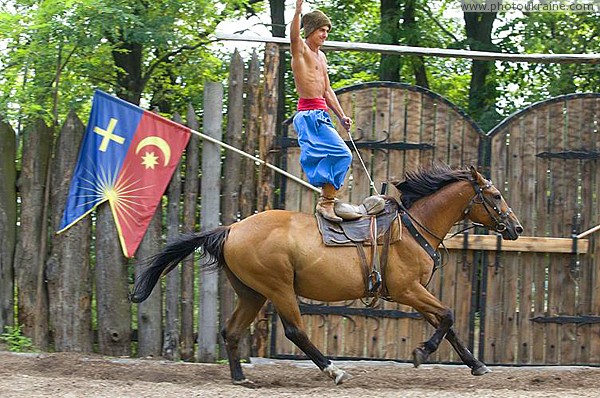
(127,158)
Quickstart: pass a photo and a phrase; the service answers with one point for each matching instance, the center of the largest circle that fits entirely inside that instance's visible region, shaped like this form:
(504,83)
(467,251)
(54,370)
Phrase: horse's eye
(497,197)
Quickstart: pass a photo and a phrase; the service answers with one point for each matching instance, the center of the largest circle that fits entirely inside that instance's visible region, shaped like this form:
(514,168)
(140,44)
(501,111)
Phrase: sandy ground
(89,375)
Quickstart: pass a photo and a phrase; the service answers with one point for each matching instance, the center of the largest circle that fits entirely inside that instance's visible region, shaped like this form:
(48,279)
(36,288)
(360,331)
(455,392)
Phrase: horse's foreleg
(442,323)
(249,304)
(438,315)
(478,368)
(292,323)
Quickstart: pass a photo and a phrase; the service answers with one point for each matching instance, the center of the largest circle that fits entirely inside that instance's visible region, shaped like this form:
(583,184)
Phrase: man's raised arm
(295,38)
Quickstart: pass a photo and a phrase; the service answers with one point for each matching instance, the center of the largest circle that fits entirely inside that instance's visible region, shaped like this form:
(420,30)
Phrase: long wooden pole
(588,232)
(257,160)
(432,52)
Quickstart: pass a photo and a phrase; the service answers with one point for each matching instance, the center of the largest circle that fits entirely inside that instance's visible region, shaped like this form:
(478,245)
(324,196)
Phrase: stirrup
(374,282)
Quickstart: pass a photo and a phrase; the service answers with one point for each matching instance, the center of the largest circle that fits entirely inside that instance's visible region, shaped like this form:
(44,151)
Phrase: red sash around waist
(311,104)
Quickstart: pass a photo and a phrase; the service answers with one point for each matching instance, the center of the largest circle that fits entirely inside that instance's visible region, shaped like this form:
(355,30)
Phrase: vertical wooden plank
(492,344)
(68,270)
(209,218)
(414,109)
(594,356)
(149,313)
(252,108)
(456,144)
(397,133)
(318,330)
(364,122)
(443,132)
(539,227)
(171,338)
(525,191)
(511,262)
(379,170)
(589,173)
(569,346)
(8,221)
(556,204)
(435,119)
(334,340)
(397,331)
(231,178)
(190,218)
(346,101)
(32,295)
(354,333)
(594,345)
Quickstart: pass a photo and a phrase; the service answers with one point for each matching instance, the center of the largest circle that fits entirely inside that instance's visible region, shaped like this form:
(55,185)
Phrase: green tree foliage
(56,52)
(559,33)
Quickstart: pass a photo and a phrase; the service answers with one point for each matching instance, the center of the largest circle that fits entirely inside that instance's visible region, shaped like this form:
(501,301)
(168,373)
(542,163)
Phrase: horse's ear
(474,173)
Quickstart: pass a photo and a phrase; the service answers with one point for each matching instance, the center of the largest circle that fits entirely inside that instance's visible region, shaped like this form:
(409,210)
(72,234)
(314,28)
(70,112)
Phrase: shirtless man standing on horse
(325,157)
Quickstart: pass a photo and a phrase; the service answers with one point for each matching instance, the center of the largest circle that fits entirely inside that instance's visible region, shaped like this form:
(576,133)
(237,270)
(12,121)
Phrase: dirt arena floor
(88,375)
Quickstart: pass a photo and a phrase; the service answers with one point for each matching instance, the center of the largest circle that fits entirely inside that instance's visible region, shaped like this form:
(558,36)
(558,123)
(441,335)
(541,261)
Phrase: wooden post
(171,337)
(231,181)
(209,219)
(68,269)
(265,184)
(149,315)
(268,126)
(248,168)
(8,223)
(190,205)
(29,259)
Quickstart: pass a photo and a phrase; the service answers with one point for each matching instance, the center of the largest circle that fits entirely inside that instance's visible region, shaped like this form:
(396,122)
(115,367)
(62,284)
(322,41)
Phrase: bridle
(496,214)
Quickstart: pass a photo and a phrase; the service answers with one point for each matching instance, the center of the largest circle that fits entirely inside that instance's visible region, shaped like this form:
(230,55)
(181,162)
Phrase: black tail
(211,242)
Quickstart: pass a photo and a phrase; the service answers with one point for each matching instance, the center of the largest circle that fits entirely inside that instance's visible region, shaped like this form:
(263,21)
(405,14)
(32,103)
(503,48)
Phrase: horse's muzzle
(511,230)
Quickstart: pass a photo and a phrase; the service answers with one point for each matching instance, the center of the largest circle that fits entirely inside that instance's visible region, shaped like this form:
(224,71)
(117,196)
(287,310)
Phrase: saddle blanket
(348,233)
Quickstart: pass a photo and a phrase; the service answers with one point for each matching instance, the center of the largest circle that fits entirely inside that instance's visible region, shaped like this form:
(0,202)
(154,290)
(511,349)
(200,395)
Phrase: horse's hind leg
(248,305)
(287,308)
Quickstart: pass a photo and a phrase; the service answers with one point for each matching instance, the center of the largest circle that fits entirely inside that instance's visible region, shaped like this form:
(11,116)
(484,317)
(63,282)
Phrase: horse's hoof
(480,371)
(419,356)
(342,377)
(244,383)
(337,374)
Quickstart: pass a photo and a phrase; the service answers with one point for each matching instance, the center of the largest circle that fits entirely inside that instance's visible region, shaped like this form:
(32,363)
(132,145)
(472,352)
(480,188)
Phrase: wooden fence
(70,293)
(532,301)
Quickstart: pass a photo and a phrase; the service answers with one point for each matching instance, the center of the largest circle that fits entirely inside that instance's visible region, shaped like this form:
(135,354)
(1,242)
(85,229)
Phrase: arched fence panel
(544,307)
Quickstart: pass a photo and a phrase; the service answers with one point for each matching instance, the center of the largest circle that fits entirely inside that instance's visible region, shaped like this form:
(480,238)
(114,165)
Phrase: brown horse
(277,255)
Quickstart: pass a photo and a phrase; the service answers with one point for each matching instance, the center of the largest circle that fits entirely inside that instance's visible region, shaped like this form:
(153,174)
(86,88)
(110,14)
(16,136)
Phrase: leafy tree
(158,50)
(522,84)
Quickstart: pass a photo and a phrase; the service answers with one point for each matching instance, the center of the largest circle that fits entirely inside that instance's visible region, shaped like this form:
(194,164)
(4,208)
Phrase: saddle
(369,230)
(349,233)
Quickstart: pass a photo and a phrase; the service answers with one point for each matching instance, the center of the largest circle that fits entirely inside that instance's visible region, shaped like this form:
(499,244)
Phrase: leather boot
(326,202)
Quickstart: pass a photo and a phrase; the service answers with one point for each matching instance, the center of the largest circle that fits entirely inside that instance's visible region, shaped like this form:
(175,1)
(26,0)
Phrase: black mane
(425,181)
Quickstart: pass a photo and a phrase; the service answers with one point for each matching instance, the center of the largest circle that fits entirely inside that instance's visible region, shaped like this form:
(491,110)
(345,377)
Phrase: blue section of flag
(110,129)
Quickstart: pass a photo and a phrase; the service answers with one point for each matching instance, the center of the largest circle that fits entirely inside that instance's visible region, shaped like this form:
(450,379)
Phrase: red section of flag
(147,169)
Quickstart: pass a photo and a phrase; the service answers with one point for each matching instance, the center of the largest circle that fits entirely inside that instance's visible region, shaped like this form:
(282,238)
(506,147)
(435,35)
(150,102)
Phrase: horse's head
(489,208)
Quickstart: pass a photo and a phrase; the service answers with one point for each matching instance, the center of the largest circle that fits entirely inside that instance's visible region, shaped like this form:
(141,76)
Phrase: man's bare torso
(310,73)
